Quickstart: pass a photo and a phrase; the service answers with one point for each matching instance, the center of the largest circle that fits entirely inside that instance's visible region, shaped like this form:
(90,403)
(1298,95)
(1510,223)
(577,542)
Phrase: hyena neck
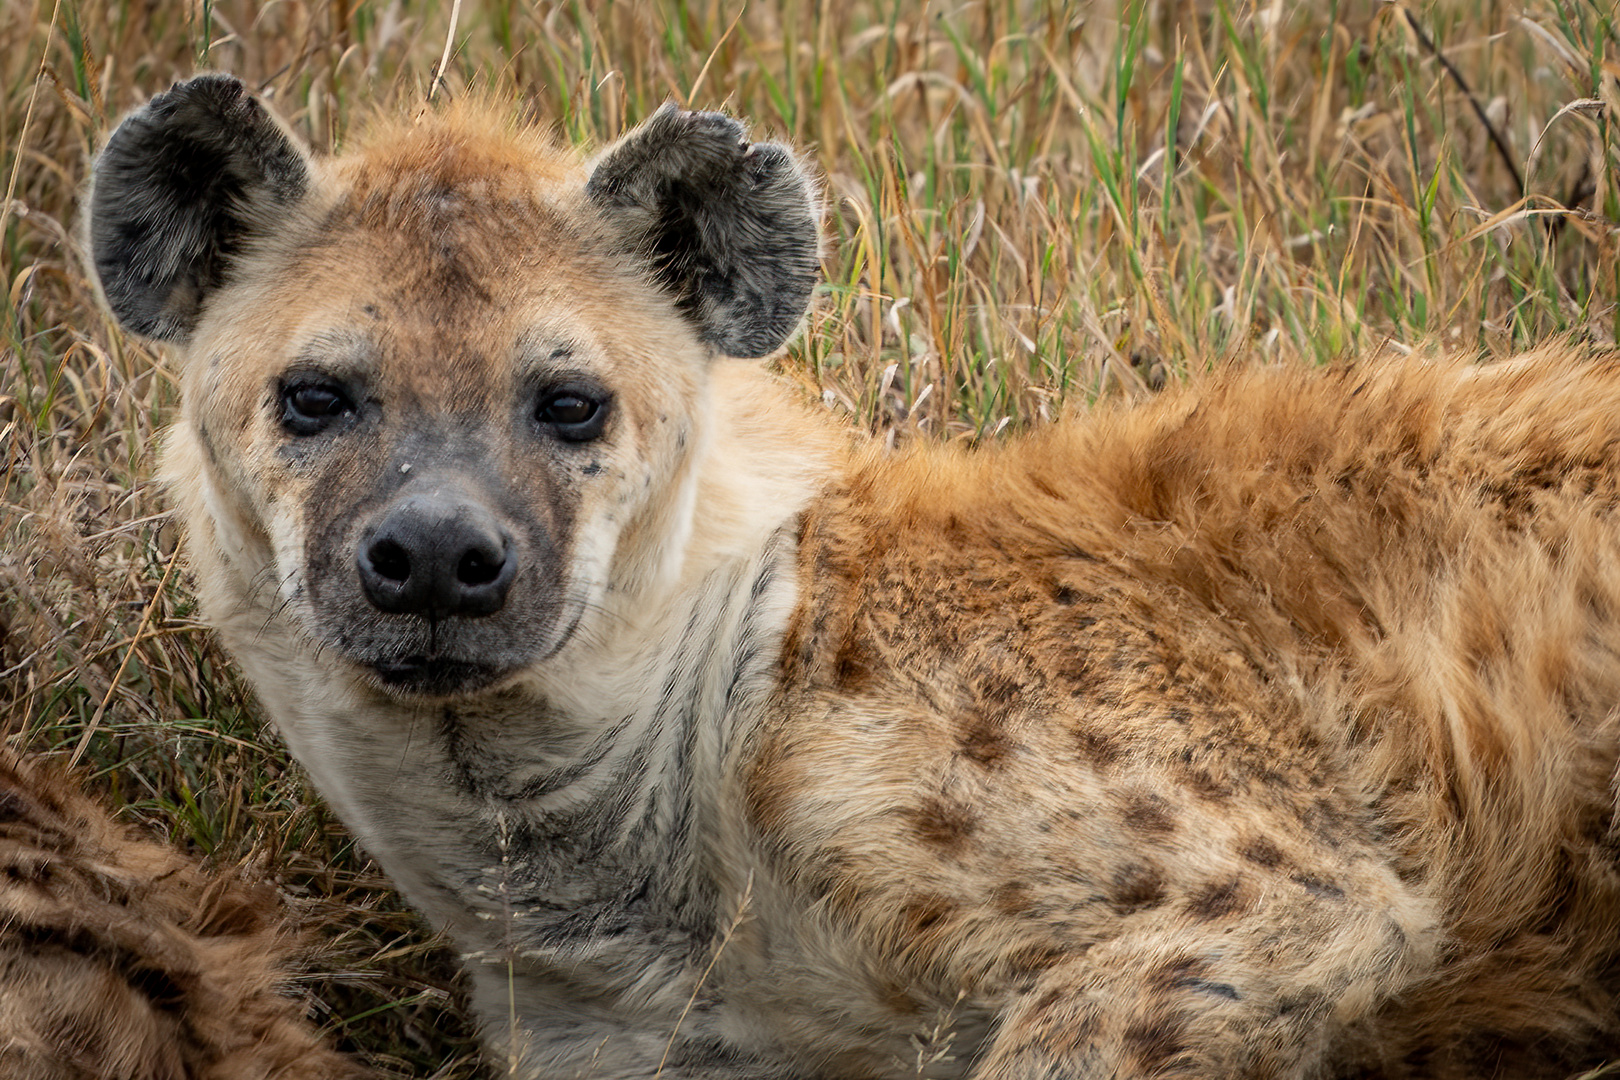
(608,869)
(622,793)
(570,854)
(655,695)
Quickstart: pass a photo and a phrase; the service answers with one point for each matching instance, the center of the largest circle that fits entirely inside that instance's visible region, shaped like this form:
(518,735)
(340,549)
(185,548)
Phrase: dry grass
(1029,203)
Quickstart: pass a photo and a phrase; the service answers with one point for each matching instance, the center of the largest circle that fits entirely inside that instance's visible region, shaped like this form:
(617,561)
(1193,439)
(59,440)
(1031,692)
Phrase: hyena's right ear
(181,183)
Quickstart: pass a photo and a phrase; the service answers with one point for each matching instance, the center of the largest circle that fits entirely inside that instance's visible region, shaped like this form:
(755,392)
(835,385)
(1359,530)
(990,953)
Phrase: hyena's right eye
(309,408)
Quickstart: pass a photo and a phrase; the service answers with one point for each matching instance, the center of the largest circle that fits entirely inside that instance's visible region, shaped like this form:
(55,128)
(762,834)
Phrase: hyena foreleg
(1257,999)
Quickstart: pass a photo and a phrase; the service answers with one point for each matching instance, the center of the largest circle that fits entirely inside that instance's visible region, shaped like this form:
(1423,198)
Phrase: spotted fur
(1263,730)
(121,960)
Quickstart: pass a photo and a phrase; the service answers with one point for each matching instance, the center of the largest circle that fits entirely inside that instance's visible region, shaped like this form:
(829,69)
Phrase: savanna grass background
(1030,205)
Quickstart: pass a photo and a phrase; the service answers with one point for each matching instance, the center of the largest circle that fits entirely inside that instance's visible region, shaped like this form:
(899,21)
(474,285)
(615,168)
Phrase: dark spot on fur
(1326,821)
(1274,779)
(1205,986)
(1065,595)
(943,822)
(1149,815)
(1307,1001)
(1074,671)
(1135,888)
(1317,887)
(1013,898)
(1175,970)
(1154,1040)
(853,665)
(1187,973)
(205,437)
(1204,785)
(998,689)
(1218,900)
(1033,959)
(923,913)
(983,741)
(1098,748)
(1262,852)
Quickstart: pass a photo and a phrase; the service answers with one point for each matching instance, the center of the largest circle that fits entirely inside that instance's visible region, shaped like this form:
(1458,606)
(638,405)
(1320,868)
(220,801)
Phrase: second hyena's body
(1264,730)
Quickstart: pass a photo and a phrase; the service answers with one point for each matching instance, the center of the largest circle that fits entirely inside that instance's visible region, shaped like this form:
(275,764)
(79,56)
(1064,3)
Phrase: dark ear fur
(180,184)
(729,225)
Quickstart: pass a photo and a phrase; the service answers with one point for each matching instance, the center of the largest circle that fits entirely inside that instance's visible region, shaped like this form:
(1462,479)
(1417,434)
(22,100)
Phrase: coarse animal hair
(1266,728)
(120,959)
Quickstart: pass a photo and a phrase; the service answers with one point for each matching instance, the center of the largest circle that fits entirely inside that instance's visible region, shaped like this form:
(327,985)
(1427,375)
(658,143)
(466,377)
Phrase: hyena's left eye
(575,415)
(309,408)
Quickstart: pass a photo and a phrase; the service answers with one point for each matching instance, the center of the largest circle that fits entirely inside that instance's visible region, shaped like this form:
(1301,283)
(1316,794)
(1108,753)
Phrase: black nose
(437,556)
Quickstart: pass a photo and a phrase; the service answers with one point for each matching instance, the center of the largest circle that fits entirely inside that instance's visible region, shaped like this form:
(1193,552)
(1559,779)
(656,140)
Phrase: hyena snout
(437,555)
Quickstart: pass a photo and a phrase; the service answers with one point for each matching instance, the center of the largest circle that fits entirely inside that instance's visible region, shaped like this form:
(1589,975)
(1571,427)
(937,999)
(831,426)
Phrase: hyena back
(1263,730)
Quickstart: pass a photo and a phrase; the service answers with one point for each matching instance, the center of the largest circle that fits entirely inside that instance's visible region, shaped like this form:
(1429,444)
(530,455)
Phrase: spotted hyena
(1264,730)
(122,960)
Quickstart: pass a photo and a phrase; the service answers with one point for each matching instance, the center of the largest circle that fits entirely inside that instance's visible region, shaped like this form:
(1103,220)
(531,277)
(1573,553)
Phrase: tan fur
(121,960)
(1266,729)
(1284,631)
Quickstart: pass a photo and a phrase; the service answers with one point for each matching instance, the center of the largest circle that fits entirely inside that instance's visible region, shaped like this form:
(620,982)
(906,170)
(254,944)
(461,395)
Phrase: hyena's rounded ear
(181,184)
(730,226)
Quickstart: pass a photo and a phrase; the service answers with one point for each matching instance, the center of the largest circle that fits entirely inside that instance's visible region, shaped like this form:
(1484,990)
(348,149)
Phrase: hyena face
(441,387)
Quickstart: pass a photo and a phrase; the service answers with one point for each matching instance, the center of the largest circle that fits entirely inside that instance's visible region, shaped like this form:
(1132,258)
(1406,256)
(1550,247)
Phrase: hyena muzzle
(1266,729)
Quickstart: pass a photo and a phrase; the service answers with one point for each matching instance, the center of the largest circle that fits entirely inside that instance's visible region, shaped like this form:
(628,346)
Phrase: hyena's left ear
(729,226)
(182,183)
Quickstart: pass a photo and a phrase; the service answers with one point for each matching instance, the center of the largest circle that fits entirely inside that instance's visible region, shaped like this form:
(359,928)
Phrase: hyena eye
(312,407)
(575,415)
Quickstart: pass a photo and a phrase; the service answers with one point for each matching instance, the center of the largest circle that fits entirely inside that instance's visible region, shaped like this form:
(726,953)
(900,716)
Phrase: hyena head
(443,392)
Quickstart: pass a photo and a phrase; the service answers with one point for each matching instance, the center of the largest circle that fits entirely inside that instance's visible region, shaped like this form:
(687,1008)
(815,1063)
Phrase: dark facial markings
(431,564)
(440,506)
(325,391)
(437,545)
